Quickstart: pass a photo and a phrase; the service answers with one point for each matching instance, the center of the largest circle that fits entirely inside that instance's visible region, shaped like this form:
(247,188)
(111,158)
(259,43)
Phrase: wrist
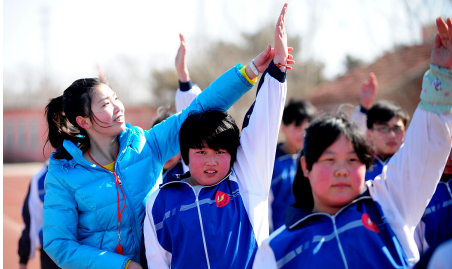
(363,108)
(183,75)
(366,106)
(249,72)
(281,59)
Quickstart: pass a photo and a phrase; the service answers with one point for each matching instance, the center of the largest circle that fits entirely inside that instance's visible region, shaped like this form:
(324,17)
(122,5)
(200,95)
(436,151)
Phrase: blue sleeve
(220,95)
(60,232)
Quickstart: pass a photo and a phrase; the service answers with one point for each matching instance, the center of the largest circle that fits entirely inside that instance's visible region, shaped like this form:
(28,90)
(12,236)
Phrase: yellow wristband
(243,72)
(127,264)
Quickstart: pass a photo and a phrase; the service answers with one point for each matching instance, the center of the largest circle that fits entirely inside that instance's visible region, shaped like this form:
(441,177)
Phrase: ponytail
(62,112)
(59,127)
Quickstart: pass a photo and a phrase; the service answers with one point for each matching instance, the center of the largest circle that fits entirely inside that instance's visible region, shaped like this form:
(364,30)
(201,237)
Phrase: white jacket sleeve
(409,180)
(157,257)
(265,258)
(256,154)
(185,97)
(360,118)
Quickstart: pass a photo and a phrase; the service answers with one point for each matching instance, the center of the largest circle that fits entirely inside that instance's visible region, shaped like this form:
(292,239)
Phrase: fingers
(181,37)
(372,77)
(290,56)
(284,10)
(290,62)
(268,50)
(437,41)
(289,49)
(443,31)
(449,24)
(282,16)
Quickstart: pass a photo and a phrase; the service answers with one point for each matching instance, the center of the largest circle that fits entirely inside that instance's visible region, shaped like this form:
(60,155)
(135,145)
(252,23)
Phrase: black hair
(161,118)
(61,113)
(320,134)
(297,111)
(383,111)
(212,128)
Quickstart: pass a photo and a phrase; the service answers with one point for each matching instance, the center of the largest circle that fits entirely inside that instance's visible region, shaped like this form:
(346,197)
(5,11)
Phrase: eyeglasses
(387,129)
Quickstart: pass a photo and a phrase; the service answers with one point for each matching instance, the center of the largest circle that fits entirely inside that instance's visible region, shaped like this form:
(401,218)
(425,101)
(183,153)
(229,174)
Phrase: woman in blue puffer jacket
(103,169)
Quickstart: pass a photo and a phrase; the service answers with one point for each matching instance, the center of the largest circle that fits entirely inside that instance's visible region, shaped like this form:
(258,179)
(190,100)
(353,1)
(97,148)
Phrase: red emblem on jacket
(368,223)
(221,199)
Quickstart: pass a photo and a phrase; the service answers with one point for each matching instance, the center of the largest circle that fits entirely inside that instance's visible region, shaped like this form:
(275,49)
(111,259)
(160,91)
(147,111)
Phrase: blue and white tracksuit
(376,168)
(376,230)
(31,238)
(281,196)
(360,117)
(223,225)
(436,224)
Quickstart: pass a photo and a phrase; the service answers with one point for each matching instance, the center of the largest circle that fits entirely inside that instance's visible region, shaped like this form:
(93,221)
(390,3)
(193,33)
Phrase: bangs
(212,129)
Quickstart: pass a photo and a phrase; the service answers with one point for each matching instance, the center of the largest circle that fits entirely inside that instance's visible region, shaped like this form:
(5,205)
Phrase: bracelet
(279,65)
(253,68)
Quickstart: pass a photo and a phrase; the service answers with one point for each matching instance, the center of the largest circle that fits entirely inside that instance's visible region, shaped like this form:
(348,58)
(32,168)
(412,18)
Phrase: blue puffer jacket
(81,203)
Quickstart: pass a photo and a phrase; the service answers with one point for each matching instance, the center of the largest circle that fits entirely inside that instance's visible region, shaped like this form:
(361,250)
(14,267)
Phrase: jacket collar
(132,137)
(296,215)
(179,179)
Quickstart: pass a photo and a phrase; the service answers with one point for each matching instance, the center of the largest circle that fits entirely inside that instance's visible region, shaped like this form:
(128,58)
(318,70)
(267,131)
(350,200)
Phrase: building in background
(399,76)
(25,132)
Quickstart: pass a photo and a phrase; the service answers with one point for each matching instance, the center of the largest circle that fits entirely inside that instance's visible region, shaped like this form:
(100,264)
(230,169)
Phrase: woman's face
(108,112)
(336,178)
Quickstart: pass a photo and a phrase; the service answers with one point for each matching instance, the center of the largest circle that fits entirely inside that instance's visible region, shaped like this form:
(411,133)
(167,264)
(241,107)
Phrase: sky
(66,39)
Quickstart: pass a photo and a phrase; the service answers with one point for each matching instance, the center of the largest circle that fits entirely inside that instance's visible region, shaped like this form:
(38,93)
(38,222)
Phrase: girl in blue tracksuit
(103,169)
(341,221)
(216,215)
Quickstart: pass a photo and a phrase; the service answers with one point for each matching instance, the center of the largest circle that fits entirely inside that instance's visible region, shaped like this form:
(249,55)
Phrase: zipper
(129,205)
(339,242)
(202,229)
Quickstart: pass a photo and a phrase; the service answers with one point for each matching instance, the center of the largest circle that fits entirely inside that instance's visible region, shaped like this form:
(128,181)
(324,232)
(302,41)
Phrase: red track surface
(16,178)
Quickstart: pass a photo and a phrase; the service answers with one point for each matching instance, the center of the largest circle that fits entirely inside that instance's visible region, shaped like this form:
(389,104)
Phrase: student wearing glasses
(384,124)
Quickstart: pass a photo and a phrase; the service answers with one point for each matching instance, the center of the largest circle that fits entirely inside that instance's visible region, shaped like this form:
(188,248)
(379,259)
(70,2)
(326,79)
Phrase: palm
(442,50)
(281,51)
(181,54)
(442,56)
(368,91)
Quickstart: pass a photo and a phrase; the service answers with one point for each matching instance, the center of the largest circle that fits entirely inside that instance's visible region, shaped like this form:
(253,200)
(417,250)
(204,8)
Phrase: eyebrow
(332,152)
(105,98)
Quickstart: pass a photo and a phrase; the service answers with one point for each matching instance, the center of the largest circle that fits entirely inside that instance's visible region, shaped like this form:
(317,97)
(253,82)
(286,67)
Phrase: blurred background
(48,44)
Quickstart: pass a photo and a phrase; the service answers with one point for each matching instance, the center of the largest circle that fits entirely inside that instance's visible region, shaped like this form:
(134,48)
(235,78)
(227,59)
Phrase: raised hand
(181,62)
(442,50)
(264,58)
(101,75)
(281,50)
(369,91)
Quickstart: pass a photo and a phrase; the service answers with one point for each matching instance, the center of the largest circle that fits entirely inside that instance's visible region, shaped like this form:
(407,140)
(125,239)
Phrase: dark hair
(61,113)
(214,129)
(383,111)
(297,111)
(320,134)
(163,113)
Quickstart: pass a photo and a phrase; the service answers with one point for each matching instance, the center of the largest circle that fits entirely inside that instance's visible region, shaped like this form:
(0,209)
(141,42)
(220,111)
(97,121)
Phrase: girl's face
(336,178)
(208,166)
(108,112)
